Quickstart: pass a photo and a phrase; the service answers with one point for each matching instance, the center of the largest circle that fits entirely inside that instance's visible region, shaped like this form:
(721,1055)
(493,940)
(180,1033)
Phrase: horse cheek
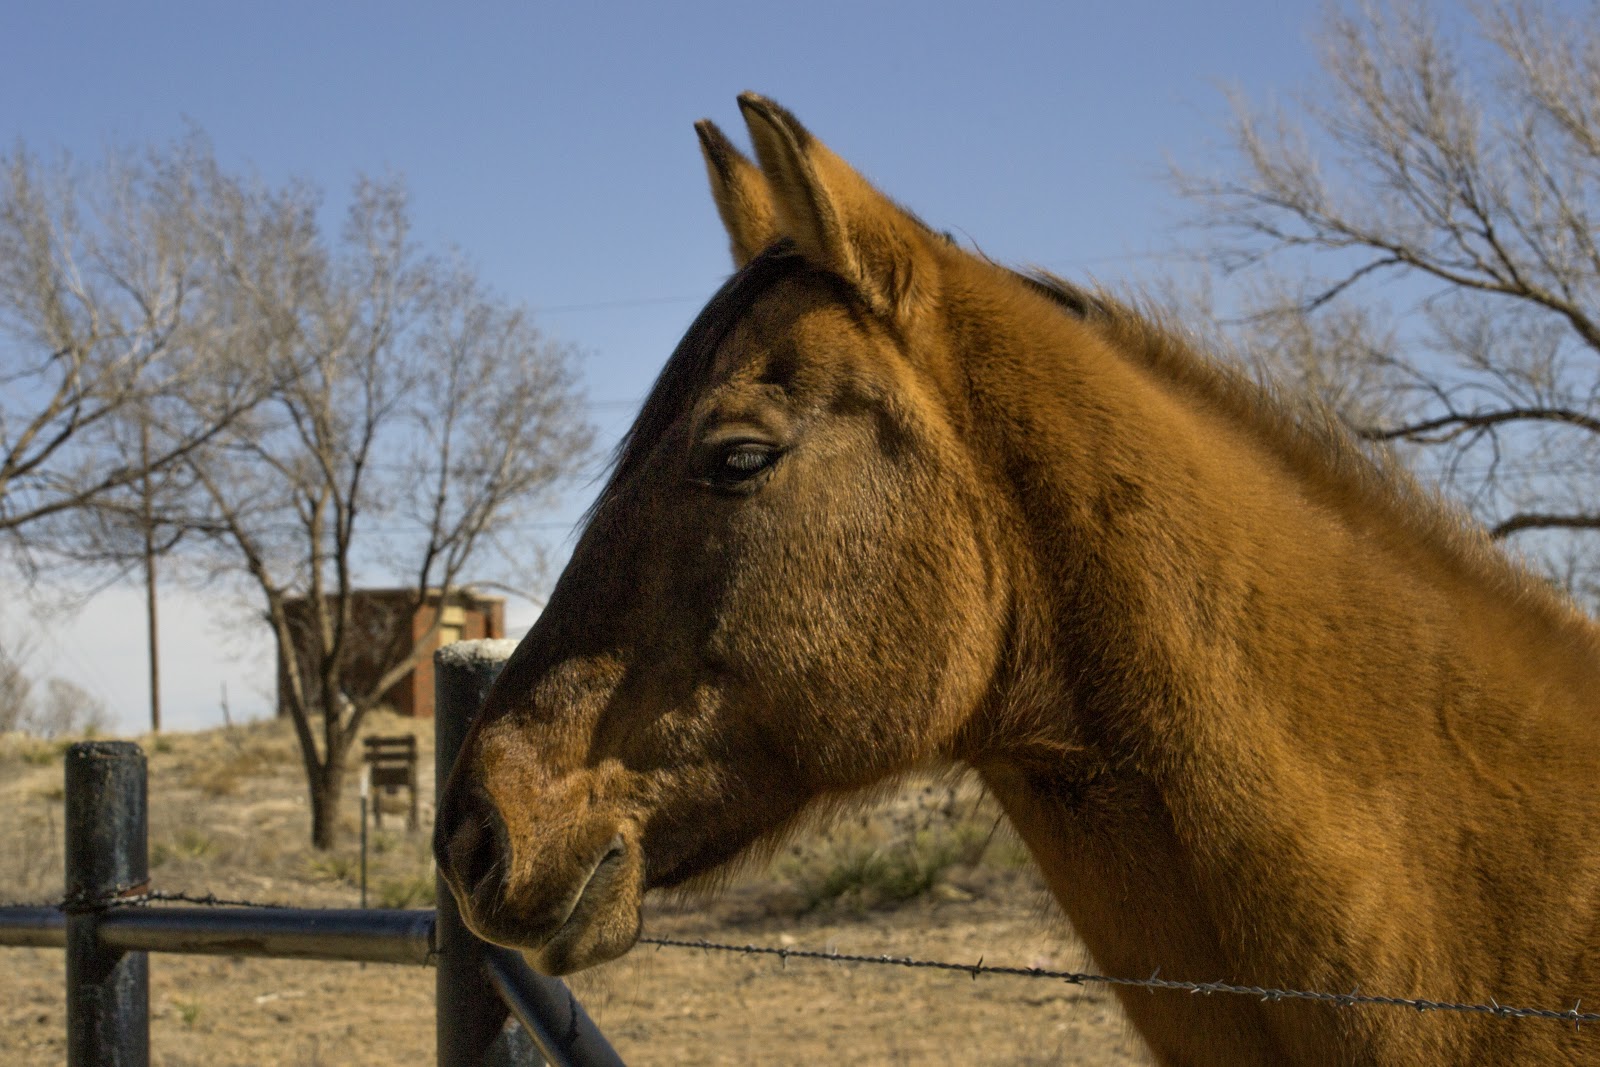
(897,621)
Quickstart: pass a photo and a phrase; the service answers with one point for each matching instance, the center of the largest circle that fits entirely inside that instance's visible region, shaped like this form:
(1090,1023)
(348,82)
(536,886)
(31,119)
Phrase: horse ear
(744,200)
(837,219)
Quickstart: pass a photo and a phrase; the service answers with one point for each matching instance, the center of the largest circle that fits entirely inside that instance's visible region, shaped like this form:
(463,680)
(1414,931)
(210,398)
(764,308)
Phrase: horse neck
(1211,660)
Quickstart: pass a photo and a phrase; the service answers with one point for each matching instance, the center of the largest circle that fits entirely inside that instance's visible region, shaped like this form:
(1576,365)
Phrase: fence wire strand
(135,896)
(1343,1000)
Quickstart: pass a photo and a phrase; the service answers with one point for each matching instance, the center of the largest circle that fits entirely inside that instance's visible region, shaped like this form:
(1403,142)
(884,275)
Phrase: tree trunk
(326,788)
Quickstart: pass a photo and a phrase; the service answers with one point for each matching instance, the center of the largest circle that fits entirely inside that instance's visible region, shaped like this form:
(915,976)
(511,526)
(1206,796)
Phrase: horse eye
(743,461)
(735,466)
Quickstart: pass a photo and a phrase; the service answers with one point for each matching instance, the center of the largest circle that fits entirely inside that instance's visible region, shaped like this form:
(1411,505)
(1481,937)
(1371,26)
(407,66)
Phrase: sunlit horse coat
(1263,712)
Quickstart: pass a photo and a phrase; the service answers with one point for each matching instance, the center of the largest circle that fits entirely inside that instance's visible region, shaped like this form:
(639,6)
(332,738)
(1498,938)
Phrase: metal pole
(476,980)
(470,1013)
(550,1014)
(33,928)
(366,774)
(108,989)
(150,574)
(371,935)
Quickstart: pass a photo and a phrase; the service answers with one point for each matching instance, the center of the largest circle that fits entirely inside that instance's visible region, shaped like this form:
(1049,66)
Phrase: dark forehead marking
(689,366)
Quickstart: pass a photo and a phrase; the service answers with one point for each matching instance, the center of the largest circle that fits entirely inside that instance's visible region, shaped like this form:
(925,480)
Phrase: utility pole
(150,572)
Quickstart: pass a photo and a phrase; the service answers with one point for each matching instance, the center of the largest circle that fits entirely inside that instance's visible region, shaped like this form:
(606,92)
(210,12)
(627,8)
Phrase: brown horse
(1262,710)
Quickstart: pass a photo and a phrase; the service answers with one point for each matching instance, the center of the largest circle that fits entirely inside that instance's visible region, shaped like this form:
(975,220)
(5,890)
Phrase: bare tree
(112,315)
(68,709)
(65,708)
(1463,177)
(16,691)
(416,422)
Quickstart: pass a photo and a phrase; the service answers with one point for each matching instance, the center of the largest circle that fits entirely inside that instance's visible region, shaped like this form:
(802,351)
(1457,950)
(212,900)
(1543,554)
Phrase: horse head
(790,590)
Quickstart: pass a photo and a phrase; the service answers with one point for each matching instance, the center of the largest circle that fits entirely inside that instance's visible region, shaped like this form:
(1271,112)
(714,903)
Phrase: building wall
(383,634)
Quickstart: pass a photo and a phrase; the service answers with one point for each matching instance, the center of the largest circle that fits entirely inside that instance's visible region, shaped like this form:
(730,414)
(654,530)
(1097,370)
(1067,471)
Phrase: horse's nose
(469,841)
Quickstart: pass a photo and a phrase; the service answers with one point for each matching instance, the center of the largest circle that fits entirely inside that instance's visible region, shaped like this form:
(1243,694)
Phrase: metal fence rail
(108,926)
(368,936)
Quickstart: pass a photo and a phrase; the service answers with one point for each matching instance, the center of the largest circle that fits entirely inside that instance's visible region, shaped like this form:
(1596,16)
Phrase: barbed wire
(132,896)
(137,895)
(206,899)
(1344,1000)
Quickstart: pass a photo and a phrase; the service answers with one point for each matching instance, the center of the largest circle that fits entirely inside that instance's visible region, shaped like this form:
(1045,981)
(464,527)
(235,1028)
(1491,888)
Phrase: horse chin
(604,919)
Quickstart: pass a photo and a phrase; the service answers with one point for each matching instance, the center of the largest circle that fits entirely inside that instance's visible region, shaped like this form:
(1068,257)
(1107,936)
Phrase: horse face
(784,595)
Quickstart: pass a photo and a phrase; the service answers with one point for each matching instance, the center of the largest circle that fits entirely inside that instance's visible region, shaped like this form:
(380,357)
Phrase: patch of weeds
(160,852)
(222,774)
(893,855)
(415,891)
(40,755)
(334,868)
(161,745)
(214,782)
(188,1011)
(193,843)
(215,778)
(864,877)
(860,874)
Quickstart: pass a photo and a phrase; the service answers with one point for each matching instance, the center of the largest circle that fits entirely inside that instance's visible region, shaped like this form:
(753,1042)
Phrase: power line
(610,405)
(610,305)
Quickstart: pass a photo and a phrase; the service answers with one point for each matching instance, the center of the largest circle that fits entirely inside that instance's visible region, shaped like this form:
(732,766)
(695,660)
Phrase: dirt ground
(927,874)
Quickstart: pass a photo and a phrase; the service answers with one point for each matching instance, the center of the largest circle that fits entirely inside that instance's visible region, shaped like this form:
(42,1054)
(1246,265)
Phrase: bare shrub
(69,710)
(16,692)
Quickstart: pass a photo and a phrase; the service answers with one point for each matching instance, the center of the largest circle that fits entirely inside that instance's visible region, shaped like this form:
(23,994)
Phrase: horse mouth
(597,895)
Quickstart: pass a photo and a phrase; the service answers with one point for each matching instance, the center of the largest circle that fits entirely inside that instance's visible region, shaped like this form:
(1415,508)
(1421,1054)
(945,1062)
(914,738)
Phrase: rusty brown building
(386,630)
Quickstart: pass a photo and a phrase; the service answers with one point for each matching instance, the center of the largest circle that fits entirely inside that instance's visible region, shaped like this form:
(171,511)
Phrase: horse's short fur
(1262,710)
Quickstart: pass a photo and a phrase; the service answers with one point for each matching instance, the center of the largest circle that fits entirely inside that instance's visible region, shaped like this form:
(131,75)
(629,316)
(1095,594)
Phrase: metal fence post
(471,1014)
(476,980)
(108,990)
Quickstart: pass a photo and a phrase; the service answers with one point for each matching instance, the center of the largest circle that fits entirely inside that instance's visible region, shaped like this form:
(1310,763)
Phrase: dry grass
(921,841)
(32,855)
(229,815)
(224,776)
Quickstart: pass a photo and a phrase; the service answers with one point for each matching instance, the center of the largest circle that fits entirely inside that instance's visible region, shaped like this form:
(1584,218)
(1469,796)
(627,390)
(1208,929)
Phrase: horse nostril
(474,854)
(471,844)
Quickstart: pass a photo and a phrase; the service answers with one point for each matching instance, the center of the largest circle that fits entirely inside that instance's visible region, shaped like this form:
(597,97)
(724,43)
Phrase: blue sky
(553,146)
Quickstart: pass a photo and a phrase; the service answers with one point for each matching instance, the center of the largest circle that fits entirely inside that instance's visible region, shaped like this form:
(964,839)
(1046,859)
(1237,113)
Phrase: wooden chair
(393,766)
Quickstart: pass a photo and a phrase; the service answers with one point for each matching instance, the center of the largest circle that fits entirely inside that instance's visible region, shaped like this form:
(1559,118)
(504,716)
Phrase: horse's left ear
(836,218)
(740,190)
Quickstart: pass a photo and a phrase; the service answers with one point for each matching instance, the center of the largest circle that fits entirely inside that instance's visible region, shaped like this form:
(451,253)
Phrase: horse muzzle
(567,904)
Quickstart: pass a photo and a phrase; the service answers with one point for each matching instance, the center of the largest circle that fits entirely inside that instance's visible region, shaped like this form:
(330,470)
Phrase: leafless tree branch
(1467,177)
(415,413)
(107,317)
(1537,521)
